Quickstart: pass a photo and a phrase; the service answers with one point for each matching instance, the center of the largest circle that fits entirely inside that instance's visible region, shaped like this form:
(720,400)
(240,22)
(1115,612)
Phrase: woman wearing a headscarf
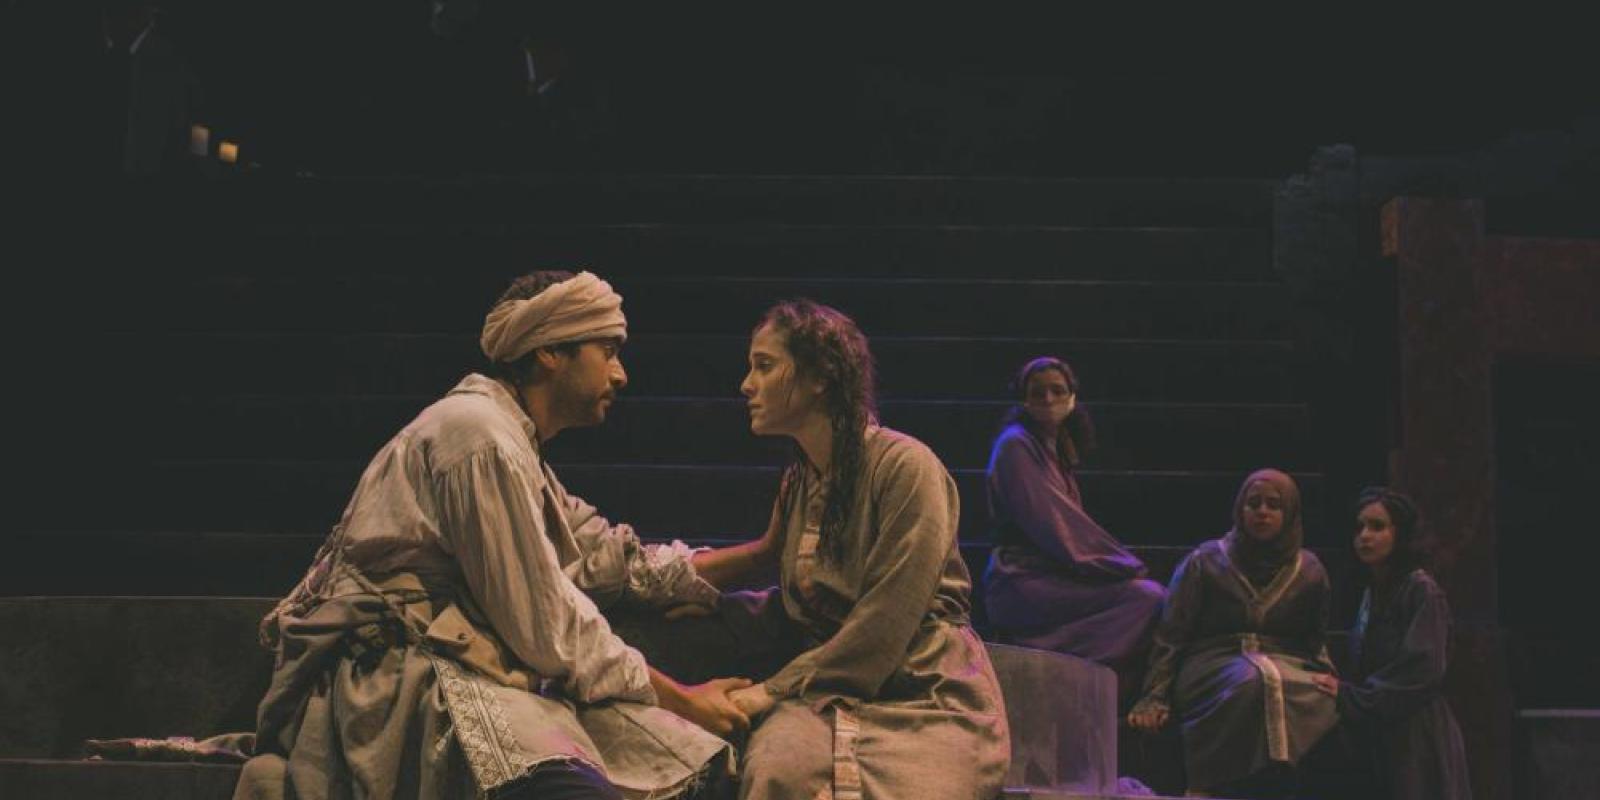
(1057,580)
(1393,716)
(1240,647)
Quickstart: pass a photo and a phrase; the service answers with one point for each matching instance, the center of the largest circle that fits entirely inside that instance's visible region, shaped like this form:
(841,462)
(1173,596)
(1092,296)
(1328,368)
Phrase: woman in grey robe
(1241,643)
(1056,580)
(892,694)
(1392,707)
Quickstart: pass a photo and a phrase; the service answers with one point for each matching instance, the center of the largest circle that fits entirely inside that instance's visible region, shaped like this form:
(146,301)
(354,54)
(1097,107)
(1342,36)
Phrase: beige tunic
(895,697)
(447,638)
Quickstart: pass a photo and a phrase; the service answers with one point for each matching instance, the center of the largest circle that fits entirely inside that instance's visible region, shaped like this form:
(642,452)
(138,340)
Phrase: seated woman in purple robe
(1393,715)
(1056,580)
(1239,658)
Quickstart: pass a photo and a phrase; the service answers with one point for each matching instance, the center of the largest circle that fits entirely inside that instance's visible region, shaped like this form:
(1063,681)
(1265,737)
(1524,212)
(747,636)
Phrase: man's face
(584,384)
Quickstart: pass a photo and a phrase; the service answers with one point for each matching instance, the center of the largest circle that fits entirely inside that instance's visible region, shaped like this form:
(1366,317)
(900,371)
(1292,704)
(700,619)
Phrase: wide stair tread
(723,304)
(541,199)
(910,367)
(715,430)
(1141,506)
(256,563)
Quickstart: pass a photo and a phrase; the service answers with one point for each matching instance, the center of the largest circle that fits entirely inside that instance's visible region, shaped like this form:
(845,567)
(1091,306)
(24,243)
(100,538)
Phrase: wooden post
(1445,453)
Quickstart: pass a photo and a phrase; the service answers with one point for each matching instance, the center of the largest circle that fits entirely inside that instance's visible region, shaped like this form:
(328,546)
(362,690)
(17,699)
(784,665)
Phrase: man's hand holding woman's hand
(707,704)
(754,701)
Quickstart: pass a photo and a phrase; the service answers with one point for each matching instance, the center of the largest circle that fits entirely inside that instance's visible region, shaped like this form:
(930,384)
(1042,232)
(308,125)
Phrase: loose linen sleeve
(917,509)
(615,564)
(1413,676)
(1036,499)
(492,518)
(1185,593)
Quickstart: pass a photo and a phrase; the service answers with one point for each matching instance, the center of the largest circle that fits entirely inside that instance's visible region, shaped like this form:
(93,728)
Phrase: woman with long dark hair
(1392,707)
(892,694)
(1056,580)
(1239,655)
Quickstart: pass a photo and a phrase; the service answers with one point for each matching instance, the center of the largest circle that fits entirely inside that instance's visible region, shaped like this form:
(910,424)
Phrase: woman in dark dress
(1393,714)
(1239,650)
(1056,580)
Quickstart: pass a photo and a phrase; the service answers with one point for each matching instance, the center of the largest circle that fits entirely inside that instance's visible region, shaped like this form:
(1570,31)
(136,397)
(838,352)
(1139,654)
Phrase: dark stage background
(203,354)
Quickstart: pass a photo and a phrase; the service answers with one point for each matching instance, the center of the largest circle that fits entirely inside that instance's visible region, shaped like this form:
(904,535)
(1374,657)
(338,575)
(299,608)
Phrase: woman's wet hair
(829,348)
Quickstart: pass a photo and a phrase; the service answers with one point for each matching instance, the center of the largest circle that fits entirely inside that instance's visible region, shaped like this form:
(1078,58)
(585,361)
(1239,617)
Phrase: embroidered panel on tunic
(1277,719)
(482,728)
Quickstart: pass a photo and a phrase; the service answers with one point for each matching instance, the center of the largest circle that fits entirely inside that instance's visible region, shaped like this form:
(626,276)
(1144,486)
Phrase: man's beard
(584,409)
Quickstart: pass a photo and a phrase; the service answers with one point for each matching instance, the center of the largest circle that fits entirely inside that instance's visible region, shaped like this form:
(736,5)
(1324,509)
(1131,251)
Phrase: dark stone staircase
(292,327)
(286,330)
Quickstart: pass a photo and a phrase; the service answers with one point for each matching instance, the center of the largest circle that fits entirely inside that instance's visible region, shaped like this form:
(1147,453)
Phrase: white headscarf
(579,308)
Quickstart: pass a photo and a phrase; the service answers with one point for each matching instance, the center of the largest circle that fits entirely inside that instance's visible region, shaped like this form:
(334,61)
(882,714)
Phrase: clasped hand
(709,705)
(1149,717)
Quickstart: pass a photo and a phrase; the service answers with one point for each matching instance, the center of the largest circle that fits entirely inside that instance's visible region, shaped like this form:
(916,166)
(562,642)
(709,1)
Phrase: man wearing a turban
(447,641)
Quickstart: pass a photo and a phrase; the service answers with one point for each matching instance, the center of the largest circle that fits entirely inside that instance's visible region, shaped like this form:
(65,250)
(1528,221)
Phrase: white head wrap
(579,308)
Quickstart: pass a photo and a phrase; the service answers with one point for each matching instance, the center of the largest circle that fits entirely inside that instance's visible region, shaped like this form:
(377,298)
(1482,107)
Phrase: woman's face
(779,400)
(1374,534)
(1047,398)
(1263,511)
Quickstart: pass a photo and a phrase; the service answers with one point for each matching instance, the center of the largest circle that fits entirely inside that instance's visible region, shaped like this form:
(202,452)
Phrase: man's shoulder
(463,424)
(458,412)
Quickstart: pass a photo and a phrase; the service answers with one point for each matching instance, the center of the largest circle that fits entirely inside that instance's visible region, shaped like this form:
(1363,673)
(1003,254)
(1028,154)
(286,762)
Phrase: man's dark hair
(521,371)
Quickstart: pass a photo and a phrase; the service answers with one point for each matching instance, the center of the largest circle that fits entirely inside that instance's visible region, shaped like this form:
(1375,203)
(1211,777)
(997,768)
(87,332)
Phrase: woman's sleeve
(1037,501)
(615,564)
(917,512)
(1185,593)
(1412,678)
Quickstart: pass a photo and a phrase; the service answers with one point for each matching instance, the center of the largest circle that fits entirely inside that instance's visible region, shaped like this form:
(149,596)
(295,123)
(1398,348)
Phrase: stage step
(1559,753)
(106,667)
(62,779)
(191,666)
(674,365)
(488,252)
(715,430)
(728,305)
(1031,793)
(342,204)
(156,563)
(685,500)
(74,779)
